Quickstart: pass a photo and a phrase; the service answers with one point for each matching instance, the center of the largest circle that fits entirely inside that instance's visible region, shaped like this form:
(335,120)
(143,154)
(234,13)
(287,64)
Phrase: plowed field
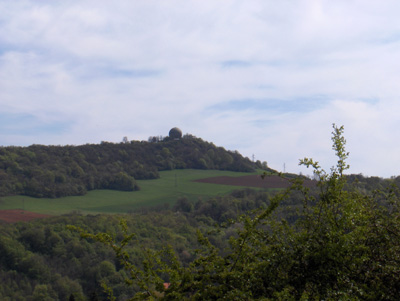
(18,215)
(254,181)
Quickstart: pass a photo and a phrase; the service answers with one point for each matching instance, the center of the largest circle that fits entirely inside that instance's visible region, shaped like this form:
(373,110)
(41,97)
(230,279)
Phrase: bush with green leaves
(344,245)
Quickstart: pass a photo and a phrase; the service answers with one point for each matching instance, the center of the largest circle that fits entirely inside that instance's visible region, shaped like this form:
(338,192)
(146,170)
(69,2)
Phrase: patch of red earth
(19,215)
(254,181)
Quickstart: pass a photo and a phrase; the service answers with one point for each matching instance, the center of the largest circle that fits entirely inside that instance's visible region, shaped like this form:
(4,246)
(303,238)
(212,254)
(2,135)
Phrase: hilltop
(57,171)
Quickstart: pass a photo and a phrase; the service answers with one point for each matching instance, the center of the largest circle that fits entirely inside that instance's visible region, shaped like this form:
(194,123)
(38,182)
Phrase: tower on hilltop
(175,133)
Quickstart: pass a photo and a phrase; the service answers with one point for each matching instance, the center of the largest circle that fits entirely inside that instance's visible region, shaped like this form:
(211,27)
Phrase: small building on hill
(175,133)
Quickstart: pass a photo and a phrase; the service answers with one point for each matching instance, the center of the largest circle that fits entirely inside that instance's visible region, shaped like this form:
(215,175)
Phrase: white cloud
(93,70)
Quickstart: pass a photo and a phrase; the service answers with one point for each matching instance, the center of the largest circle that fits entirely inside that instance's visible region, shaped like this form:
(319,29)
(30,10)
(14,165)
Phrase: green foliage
(60,261)
(56,171)
(45,252)
(161,193)
(337,241)
(343,245)
(184,205)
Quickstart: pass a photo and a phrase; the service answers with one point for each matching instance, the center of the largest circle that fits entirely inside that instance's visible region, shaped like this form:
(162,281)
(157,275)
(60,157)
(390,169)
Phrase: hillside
(43,256)
(57,171)
(337,240)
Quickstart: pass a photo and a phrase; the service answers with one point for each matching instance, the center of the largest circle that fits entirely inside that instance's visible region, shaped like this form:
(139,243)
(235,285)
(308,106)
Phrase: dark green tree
(345,245)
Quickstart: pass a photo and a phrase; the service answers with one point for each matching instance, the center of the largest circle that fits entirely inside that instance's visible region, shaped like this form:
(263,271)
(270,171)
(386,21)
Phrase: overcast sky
(266,78)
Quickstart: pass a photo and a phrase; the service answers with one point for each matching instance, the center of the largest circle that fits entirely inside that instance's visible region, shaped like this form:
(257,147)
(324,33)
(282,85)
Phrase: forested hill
(56,171)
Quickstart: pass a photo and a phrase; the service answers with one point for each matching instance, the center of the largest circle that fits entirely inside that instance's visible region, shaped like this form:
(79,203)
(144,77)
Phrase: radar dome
(175,133)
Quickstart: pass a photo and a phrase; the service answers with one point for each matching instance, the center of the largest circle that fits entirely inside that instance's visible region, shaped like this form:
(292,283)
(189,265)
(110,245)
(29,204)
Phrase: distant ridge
(57,171)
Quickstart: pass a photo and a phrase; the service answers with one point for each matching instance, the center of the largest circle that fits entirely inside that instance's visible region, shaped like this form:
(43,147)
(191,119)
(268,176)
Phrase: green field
(167,189)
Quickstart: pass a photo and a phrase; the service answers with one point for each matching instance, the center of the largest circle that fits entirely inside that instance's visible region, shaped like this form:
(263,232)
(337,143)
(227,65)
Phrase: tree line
(344,244)
(242,244)
(294,251)
(57,171)
(337,241)
(46,260)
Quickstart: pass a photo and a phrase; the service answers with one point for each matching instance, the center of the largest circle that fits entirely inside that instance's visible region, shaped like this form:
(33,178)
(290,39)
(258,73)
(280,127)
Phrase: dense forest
(339,240)
(45,260)
(343,243)
(57,171)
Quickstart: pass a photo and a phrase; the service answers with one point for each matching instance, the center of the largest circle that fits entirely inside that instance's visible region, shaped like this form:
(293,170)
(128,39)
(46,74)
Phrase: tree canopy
(344,245)
(337,241)
(56,171)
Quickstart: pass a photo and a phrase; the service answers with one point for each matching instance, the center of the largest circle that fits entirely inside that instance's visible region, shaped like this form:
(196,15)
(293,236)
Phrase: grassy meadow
(167,189)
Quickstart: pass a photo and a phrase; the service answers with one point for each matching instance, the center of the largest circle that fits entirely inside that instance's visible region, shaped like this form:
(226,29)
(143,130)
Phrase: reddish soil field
(19,215)
(254,181)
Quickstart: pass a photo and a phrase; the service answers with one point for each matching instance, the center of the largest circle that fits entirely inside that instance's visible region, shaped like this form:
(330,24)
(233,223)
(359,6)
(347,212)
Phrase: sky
(266,78)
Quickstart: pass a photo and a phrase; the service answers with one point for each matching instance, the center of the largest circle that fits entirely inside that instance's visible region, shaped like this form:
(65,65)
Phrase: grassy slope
(171,185)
